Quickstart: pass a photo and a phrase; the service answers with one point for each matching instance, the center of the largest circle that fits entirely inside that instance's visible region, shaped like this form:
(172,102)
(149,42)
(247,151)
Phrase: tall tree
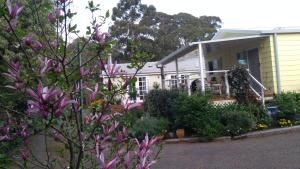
(156,32)
(127,28)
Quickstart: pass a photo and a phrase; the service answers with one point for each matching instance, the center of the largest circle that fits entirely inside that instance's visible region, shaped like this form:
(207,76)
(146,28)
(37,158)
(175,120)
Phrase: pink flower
(63,1)
(93,95)
(28,40)
(51,18)
(42,98)
(100,37)
(37,46)
(113,71)
(128,106)
(57,12)
(111,164)
(14,10)
(83,72)
(4,133)
(127,160)
(45,66)
(143,152)
(14,75)
(61,104)
(108,130)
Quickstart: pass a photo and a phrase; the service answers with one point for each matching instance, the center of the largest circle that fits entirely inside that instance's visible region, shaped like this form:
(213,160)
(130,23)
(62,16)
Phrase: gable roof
(230,33)
(187,64)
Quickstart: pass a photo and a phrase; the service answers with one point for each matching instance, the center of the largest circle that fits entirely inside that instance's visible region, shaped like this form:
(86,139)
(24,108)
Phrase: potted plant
(180,133)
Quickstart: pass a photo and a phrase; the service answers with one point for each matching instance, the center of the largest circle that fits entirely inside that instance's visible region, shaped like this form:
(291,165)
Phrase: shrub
(238,79)
(159,103)
(194,113)
(132,116)
(236,123)
(151,125)
(288,104)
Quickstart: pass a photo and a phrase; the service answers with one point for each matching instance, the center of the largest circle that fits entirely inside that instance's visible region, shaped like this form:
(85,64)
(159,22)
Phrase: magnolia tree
(68,101)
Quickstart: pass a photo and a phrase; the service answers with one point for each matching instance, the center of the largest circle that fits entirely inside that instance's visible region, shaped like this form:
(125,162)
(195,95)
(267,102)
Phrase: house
(271,56)
(150,76)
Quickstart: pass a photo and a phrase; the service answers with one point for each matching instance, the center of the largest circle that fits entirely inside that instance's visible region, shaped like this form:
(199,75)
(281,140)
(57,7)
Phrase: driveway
(272,152)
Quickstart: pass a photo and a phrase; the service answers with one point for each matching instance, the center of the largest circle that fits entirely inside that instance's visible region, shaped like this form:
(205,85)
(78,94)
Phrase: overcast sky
(238,14)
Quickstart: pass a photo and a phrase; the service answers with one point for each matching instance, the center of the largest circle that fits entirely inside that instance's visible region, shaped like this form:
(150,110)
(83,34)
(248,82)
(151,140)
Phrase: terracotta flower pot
(180,133)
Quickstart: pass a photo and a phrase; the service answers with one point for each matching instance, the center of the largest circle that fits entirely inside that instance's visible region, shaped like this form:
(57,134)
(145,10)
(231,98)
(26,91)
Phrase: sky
(235,14)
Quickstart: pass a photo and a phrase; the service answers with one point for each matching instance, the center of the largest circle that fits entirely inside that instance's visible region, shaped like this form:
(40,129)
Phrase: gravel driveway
(272,152)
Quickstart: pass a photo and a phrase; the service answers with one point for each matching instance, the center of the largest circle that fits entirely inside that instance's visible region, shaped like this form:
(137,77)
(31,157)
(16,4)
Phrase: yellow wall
(289,59)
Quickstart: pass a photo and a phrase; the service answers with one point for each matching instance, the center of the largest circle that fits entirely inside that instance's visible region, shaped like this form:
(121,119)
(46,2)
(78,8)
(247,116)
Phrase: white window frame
(142,92)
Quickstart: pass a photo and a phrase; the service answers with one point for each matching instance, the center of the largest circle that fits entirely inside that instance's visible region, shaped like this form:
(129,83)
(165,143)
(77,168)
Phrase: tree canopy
(156,32)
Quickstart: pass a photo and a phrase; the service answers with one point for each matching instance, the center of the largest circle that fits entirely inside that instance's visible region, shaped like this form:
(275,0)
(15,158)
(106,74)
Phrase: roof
(186,64)
(235,34)
(244,32)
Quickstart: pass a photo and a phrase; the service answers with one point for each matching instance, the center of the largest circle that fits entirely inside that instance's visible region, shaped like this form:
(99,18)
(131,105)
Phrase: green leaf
(107,14)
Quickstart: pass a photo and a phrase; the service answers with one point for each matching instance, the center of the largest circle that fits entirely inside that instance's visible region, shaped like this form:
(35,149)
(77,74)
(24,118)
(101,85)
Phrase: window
(173,82)
(184,79)
(142,87)
(242,58)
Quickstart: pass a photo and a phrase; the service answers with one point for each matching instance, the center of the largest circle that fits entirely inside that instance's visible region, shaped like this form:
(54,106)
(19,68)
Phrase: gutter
(276,53)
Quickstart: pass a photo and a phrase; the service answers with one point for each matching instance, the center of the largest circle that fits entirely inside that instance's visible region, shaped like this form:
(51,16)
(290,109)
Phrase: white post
(227,84)
(189,86)
(201,60)
(162,74)
(177,73)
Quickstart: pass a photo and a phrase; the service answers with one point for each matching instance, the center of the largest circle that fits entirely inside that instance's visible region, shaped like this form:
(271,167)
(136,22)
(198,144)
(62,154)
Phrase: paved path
(271,152)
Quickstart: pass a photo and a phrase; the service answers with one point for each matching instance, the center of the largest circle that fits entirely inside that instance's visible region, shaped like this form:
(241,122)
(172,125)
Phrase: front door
(254,67)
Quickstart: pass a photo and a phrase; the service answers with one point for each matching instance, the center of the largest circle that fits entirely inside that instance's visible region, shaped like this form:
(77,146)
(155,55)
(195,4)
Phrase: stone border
(254,134)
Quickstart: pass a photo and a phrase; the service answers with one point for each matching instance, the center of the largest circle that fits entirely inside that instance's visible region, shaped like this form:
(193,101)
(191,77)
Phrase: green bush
(195,114)
(131,117)
(288,104)
(159,103)
(236,123)
(148,125)
(239,82)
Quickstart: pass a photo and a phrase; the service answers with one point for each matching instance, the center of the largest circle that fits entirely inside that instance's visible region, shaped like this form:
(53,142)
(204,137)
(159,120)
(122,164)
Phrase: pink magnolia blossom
(122,135)
(63,1)
(57,12)
(93,95)
(37,46)
(14,75)
(51,18)
(127,160)
(5,134)
(61,104)
(143,152)
(45,66)
(14,10)
(109,165)
(108,130)
(113,70)
(128,106)
(100,37)
(41,99)
(83,72)
(28,40)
